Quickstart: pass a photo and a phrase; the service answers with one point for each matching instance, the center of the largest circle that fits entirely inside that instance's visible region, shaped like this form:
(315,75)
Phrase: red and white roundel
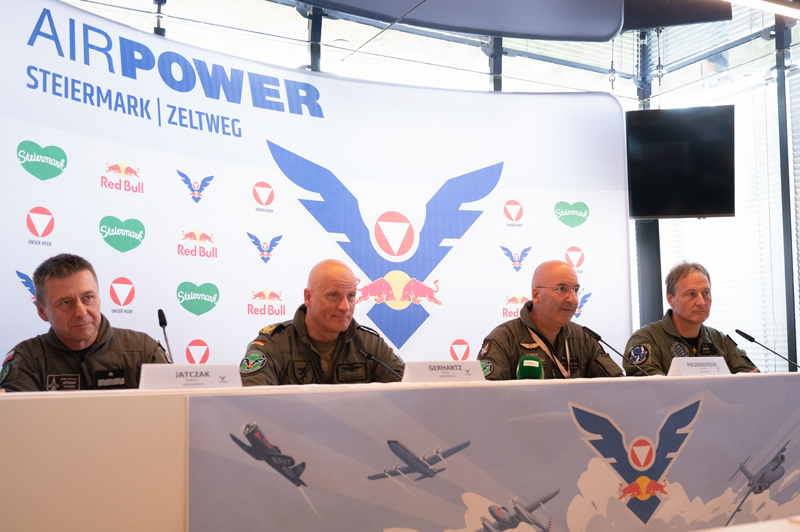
(574,257)
(642,453)
(40,222)
(459,350)
(394,234)
(197,350)
(122,291)
(263,193)
(513,210)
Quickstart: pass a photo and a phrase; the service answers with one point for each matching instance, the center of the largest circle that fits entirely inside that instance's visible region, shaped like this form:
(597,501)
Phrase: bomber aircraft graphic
(505,519)
(422,465)
(261,449)
(762,479)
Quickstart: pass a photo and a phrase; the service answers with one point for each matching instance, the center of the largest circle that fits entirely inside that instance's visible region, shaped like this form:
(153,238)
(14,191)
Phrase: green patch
(252,362)
(41,163)
(198,299)
(573,214)
(122,236)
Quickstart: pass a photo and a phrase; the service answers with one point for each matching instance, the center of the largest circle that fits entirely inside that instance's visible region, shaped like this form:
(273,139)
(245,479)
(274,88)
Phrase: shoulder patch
(487,367)
(484,348)
(373,331)
(9,356)
(252,362)
(638,354)
(266,331)
(677,349)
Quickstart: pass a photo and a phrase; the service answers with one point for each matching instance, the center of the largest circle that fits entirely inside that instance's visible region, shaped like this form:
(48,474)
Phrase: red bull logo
(266,296)
(197,352)
(642,488)
(40,222)
(386,289)
(122,184)
(516,301)
(197,237)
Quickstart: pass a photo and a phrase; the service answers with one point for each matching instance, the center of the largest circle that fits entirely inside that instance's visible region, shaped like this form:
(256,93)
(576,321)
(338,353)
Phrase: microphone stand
(751,339)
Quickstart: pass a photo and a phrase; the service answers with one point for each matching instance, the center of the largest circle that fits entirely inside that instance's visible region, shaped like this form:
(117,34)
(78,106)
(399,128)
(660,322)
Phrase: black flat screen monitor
(681,162)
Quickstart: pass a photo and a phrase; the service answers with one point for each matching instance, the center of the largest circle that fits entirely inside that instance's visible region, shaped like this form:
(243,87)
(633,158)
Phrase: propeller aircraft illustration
(762,479)
(261,449)
(422,465)
(505,519)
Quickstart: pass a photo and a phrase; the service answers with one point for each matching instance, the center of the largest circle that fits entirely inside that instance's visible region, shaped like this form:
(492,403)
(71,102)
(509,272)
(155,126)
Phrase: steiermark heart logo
(198,299)
(41,163)
(122,236)
(572,215)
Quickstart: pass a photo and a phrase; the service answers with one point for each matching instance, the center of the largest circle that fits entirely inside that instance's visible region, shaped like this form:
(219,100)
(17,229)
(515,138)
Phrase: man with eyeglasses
(681,332)
(544,329)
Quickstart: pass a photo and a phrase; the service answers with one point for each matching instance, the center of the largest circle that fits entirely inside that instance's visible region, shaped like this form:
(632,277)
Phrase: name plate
(177,376)
(703,366)
(464,371)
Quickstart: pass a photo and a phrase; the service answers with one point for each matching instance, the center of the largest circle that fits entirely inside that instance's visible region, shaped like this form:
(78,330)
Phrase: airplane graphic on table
(422,465)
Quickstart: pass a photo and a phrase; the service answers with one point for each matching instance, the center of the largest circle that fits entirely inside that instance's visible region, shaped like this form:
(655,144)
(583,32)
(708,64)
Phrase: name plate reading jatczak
(698,366)
(174,376)
(464,371)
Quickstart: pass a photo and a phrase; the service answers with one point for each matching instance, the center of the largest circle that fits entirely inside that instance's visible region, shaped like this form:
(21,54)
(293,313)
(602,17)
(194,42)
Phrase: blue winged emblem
(27,283)
(338,212)
(516,260)
(608,441)
(264,249)
(195,188)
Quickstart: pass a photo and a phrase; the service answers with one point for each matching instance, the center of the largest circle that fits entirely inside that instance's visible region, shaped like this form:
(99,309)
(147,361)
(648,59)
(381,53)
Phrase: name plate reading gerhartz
(175,376)
(698,366)
(464,371)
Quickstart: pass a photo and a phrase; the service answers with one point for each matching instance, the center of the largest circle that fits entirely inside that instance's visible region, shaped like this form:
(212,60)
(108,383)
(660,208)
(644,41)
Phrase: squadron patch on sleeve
(677,349)
(638,354)
(487,367)
(484,349)
(6,366)
(252,362)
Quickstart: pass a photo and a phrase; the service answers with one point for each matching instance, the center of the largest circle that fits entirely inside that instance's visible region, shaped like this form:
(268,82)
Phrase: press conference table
(118,460)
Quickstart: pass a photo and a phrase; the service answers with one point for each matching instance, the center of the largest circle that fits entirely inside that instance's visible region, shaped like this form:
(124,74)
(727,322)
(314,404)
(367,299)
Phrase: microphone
(372,357)
(162,322)
(530,367)
(598,339)
(751,339)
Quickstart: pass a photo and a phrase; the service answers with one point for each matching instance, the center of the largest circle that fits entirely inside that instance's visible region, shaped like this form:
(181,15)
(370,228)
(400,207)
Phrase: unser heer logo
(122,293)
(266,296)
(459,350)
(120,181)
(513,211)
(264,195)
(40,223)
(200,240)
(197,352)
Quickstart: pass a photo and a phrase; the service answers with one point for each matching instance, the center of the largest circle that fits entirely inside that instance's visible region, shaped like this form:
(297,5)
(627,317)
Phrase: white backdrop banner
(207,186)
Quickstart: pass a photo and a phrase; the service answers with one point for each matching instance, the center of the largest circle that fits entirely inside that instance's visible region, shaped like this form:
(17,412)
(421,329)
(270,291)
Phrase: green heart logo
(572,215)
(122,236)
(198,299)
(41,163)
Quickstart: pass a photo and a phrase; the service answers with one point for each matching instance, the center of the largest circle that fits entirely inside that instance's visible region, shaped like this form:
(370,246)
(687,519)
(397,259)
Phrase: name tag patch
(351,372)
(110,378)
(708,349)
(59,383)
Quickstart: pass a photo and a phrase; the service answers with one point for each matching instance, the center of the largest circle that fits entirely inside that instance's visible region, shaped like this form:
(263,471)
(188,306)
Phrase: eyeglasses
(563,290)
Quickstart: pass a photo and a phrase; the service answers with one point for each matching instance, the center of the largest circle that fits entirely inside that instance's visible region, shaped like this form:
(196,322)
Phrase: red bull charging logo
(197,237)
(266,297)
(123,182)
(515,301)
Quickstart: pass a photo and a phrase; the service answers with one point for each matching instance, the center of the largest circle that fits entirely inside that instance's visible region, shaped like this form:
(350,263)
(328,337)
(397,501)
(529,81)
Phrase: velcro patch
(113,378)
(252,362)
(57,383)
(708,349)
(487,367)
(638,354)
(351,372)
(484,349)
(677,349)
(9,356)
(301,369)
